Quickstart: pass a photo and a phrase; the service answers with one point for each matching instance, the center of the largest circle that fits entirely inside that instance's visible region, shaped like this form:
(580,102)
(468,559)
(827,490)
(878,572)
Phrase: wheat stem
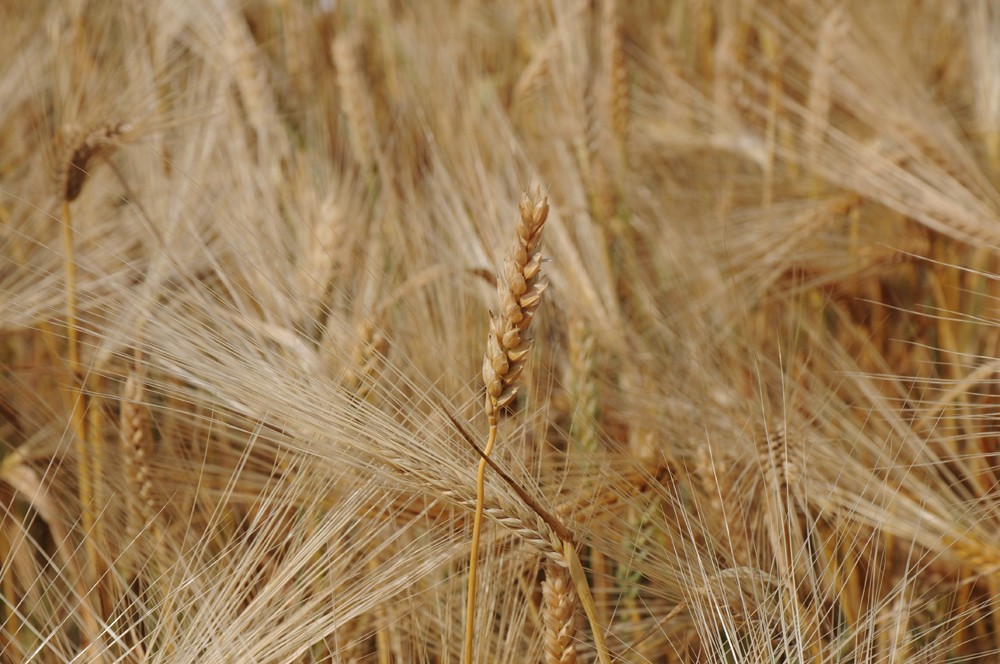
(78,398)
(579,576)
(477,527)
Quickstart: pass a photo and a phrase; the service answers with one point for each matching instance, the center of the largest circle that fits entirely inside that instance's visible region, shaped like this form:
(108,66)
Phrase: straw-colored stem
(70,265)
(477,525)
(76,390)
(579,577)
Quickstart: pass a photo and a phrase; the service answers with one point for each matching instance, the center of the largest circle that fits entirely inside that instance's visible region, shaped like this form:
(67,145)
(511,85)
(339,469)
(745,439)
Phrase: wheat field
(268,392)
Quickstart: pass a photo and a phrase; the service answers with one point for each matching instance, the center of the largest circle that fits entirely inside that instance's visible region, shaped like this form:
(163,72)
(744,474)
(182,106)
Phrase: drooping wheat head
(73,171)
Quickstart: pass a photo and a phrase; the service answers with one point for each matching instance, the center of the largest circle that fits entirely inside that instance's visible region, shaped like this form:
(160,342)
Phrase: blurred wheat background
(248,255)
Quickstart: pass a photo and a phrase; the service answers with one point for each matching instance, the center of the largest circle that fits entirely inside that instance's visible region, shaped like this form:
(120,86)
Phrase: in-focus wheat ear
(520,292)
(520,289)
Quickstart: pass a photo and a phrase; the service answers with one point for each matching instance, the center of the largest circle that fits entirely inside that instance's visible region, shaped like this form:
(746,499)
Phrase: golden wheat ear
(559,615)
(520,291)
(137,448)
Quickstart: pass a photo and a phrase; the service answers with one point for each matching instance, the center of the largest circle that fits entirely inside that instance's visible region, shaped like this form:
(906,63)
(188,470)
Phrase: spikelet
(520,289)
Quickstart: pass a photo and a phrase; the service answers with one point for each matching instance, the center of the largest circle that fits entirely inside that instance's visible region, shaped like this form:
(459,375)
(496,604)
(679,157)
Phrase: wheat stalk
(72,176)
(520,289)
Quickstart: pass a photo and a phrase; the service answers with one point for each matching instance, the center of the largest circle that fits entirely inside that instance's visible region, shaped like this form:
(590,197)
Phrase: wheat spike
(72,176)
(559,615)
(520,290)
(616,72)
(137,447)
(356,104)
(581,379)
(832,36)
(100,140)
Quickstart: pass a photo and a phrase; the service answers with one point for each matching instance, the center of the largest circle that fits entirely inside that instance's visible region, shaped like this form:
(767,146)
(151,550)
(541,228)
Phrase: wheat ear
(356,104)
(137,446)
(520,289)
(100,140)
(559,615)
